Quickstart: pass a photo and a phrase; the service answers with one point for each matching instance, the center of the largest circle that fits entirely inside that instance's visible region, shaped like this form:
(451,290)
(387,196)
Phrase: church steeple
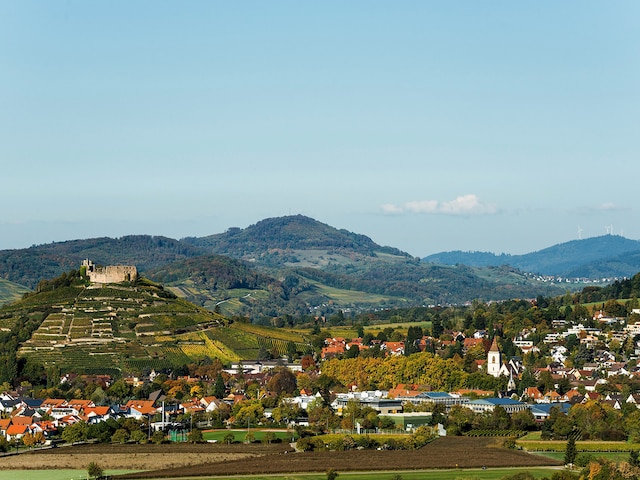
(494,359)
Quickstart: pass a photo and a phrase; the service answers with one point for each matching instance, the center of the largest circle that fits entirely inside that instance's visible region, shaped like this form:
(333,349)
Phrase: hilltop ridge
(297,265)
(594,257)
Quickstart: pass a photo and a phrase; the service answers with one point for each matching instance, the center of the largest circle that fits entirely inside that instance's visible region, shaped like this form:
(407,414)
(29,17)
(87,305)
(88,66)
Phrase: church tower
(494,359)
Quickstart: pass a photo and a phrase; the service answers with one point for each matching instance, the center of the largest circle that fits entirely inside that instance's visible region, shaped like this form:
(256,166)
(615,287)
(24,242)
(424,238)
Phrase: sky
(428,126)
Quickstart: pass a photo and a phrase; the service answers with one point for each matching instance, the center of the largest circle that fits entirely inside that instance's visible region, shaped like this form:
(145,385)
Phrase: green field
(460,474)
(241,434)
(53,474)
(582,446)
(611,456)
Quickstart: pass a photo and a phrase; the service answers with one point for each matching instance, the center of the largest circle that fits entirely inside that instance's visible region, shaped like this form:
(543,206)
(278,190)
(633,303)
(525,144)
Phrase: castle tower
(494,359)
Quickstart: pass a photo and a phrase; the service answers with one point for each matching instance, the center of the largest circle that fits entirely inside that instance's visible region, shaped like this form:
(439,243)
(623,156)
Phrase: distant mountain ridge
(605,256)
(293,265)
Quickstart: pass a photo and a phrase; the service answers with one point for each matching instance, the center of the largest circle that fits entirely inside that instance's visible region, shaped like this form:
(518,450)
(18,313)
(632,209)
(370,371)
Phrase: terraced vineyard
(135,328)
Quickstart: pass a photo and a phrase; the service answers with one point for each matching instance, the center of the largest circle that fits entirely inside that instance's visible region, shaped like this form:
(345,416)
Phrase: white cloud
(391,208)
(608,206)
(464,205)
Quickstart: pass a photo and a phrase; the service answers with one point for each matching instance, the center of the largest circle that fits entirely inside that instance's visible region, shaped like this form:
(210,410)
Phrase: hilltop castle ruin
(110,273)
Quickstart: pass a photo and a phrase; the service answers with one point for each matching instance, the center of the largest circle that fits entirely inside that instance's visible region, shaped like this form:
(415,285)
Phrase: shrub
(584,459)
(332,474)
(305,444)
(94,470)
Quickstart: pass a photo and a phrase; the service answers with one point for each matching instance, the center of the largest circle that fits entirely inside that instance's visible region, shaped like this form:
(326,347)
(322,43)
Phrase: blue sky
(428,126)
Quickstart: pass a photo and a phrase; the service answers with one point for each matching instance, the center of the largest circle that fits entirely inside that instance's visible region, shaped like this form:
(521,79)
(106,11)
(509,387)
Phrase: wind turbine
(579,233)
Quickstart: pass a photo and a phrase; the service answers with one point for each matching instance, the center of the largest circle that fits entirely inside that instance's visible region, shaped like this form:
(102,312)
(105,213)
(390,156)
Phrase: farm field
(611,456)
(134,457)
(209,460)
(453,474)
(595,447)
(445,453)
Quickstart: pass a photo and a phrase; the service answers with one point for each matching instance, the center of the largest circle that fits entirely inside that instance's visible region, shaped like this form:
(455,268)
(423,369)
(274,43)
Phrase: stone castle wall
(111,273)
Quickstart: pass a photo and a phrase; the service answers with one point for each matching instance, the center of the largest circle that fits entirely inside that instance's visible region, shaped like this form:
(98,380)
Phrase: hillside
(606,256)
(74,326)
(290,265)
(288,233)
(28,266)
(10,292)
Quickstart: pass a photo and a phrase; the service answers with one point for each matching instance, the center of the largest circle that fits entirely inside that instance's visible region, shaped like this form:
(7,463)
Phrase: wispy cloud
(464,205)
(608,206)
(603,207)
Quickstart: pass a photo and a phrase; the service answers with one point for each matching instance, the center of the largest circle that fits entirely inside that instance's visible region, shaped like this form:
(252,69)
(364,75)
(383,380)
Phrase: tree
(158,437)
(94,470)
(219,389)
(283,381)
(571,451)
(138,436)
(28,440)
(120,436)
(195,436)
(229,438)
(332,474)
(74,433)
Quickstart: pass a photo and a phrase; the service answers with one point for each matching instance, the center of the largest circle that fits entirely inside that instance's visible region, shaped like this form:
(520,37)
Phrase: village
(300,395)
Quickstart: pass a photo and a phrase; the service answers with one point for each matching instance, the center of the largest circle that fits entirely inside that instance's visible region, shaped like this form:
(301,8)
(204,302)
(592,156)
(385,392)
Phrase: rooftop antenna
(580,233)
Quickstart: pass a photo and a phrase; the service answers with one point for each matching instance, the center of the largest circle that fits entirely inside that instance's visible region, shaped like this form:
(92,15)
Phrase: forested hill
(295,232)
(597,257)
(30,265)
(215,272)
(295,265)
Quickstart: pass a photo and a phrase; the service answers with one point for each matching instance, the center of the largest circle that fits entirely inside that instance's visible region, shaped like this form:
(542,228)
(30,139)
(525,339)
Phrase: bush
(584,459)
(94,470)
(305,444)
(613,435)
(332,474)
(158,437)
(365,441)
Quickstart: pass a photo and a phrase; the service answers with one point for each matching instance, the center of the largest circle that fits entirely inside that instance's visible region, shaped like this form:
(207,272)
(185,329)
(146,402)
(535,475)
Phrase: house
(4,424)
(15,432)
(303,401)
(532,393)
(46,427)
(192,406)
(634,398)
(394,348)
(403,390)
(98,414)
(8,405)
(139,409)
(553,397)
(210,403)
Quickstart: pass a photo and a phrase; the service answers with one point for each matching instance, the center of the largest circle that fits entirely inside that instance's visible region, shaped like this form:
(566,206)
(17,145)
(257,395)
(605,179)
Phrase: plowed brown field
(182,460)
